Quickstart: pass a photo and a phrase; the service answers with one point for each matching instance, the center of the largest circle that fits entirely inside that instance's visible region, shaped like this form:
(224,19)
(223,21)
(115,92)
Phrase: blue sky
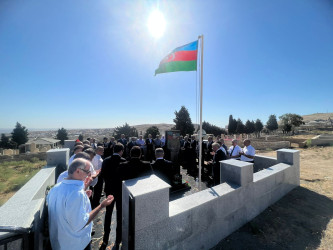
(90,64)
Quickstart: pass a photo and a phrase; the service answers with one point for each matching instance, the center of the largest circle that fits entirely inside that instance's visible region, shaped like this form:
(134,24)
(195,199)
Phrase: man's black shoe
(103,246)
(116,247)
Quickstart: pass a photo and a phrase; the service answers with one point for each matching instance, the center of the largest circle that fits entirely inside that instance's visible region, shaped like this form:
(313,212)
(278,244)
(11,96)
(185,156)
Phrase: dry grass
(14,174)
(316,176)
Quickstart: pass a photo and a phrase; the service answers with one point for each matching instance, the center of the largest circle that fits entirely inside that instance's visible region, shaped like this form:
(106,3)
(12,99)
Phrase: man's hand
(89,193)
(107,201)
(87,182)
(96,174)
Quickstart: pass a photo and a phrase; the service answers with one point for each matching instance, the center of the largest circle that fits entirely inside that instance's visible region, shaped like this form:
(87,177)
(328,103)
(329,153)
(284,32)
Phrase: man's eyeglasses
(86,171)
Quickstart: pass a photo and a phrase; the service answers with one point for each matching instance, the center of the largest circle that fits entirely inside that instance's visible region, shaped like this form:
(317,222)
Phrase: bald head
(78,163)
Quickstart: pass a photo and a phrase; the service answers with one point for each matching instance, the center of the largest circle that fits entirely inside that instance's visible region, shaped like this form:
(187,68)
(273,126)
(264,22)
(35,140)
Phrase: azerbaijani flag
(183,58)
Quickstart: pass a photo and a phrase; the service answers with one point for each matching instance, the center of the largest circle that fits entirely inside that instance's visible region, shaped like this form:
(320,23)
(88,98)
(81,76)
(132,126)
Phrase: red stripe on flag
(183,55)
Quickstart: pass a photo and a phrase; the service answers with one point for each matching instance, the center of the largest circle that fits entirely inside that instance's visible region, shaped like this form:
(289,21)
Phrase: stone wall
(262,162)
(322,140)
(270,145)
(9,152)
(201,220)
(69,144)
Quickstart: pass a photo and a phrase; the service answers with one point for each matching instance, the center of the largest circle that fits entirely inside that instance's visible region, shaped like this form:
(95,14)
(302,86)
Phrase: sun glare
(156,24)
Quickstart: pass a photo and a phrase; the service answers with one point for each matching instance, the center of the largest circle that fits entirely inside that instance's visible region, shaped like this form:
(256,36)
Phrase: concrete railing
(322,140)
(201,220)
(262,162)
(23,213)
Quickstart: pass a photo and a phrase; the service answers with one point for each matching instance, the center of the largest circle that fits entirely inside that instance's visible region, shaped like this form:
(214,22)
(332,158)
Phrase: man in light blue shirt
(70,215)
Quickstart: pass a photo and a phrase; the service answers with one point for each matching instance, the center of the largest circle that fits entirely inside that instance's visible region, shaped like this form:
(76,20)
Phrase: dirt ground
(303,219)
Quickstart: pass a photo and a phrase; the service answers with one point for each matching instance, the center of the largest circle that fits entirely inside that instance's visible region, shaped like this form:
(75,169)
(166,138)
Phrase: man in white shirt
(69,209)
(141,143)
(248,152)
(234,150)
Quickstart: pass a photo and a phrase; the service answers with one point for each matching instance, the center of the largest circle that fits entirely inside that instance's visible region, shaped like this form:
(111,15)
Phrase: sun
(156,24)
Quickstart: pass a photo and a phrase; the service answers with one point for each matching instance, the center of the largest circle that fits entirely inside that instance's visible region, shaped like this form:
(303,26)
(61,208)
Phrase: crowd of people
(212,153)
(76,198)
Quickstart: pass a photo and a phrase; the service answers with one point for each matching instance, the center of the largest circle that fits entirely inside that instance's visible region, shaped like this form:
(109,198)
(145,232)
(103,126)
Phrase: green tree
(249,127)
(62,135)
(240,128)
(258,126)
(19,134)
(213,129)
(286,128)
(272,124)
(290,121)
(232,126)
(153,130)
(80,137)
(4,143)
(126,129)
(183,122)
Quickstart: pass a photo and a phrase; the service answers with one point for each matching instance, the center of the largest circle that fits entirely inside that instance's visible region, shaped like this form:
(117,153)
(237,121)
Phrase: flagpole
(200,133)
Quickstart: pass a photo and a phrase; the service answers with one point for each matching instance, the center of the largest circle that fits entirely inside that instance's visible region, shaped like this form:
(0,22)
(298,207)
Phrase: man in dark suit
(134,167)
(185,152)
(209,148)
(163,168)
(130,145)
(150,148)
(225,147)
(123,141)
(181,141)
(219,155)
(113,186)
(108,147)
(193,156)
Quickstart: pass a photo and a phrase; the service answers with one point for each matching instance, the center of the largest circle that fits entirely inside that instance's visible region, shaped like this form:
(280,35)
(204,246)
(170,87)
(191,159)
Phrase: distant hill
(317,117)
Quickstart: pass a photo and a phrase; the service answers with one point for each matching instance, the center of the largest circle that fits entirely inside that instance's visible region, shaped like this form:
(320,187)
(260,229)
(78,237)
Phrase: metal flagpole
(200,133)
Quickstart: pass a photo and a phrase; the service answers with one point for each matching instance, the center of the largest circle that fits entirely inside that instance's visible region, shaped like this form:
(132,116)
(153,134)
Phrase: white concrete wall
(201,220)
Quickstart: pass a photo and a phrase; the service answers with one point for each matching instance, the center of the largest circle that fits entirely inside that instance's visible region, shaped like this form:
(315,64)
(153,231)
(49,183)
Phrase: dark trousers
(108,218)
(97,193)
(150,155)
(216,174)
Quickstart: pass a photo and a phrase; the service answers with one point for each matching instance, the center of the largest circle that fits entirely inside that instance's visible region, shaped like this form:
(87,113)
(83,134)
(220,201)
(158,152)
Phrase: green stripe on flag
(177,66)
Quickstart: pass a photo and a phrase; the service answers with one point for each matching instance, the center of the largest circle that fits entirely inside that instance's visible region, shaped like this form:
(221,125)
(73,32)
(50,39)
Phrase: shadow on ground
(297,221)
